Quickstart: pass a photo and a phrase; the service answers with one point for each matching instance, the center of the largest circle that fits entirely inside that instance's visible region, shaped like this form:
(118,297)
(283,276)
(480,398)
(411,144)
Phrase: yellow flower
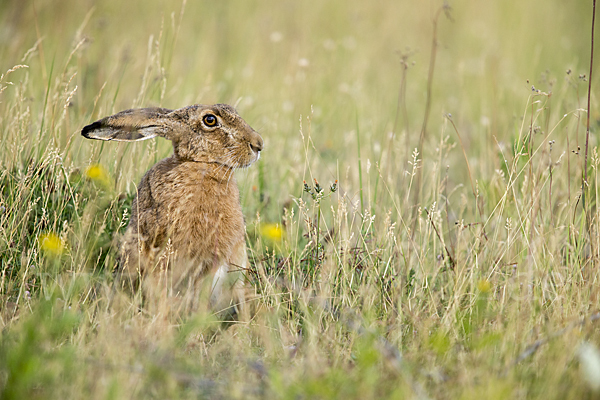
(52,244)
(484,286)
(98,174)
(272,232)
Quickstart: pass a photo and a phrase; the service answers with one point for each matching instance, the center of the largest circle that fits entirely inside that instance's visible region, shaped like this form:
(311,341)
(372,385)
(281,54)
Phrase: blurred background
(335,68)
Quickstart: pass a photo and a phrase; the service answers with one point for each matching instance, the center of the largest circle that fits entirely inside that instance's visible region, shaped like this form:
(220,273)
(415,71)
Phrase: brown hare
(186,220)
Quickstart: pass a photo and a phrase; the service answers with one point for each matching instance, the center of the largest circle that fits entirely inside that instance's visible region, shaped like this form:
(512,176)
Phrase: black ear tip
(85,132)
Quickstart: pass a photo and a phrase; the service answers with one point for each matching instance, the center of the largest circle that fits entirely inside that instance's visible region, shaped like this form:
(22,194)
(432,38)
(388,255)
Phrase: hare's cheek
(201,145)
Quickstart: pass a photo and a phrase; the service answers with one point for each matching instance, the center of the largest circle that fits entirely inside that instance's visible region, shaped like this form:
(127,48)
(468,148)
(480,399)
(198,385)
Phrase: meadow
(417,225)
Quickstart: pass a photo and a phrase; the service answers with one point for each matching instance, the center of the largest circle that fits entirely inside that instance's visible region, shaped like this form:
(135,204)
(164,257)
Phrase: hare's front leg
(227,288)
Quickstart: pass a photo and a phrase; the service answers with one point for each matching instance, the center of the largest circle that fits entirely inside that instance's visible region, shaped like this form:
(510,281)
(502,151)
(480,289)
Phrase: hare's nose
(257,144)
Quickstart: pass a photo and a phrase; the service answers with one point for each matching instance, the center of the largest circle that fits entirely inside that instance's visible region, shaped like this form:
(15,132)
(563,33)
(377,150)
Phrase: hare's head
(203,133)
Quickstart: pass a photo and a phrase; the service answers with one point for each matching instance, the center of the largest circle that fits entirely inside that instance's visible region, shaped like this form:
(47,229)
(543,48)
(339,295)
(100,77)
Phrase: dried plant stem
(434,46)
(362,207)
(584,183)
(401,102)
(437,232)
(587,131)
(531,184)
(39,43)
(550,184)
(475,194)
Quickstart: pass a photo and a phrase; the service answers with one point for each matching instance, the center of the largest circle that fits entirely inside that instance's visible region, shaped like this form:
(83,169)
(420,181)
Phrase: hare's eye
(210,120)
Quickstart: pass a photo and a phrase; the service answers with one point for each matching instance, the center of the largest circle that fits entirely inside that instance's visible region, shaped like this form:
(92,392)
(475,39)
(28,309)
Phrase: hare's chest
(205,222)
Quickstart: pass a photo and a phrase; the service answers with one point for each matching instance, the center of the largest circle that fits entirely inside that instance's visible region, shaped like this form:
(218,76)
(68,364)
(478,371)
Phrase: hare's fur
(186,219)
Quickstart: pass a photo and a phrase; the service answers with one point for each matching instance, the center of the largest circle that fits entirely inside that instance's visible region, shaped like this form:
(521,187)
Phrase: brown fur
(186,218)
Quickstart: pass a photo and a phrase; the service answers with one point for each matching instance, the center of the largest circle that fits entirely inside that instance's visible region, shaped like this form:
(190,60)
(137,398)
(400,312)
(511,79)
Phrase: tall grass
(386,262)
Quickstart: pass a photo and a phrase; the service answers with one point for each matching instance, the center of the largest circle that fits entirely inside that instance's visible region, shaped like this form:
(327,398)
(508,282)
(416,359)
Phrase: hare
(186,220)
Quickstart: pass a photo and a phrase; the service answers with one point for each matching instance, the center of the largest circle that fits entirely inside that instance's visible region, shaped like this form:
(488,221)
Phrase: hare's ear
(130,125)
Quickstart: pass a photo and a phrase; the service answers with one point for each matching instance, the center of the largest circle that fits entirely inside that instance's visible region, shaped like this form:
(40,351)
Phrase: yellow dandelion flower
(98,174)
(484,286)
(52,244)
(272,232)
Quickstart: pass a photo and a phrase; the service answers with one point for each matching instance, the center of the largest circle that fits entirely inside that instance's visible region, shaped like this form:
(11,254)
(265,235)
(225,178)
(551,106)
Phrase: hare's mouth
(253,156)
(240,164)
(248,162)
(240,158)
(255,150)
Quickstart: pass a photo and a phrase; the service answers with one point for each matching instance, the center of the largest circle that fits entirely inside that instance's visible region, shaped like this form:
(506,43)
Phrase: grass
(452,258)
